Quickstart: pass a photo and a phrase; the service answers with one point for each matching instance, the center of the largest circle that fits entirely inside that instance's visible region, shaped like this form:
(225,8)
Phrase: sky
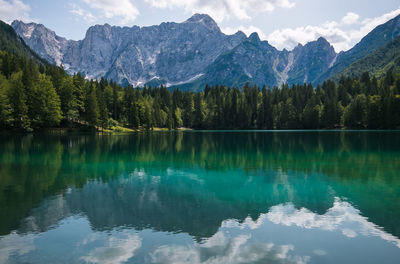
(283,23)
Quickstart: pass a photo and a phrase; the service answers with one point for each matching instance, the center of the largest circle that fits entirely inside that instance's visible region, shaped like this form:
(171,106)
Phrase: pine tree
(178,118)
(265,120)
(6,65)
(330,116)
(188,104)
(170,119)
(148,115)
(288,115)
(312,113)
(103,111)
(199,111)
(355,115)
(115,102)
(91,107)
(135,120)
(17,97)
(69,100)
(374,112)
(6,118)
(80,93)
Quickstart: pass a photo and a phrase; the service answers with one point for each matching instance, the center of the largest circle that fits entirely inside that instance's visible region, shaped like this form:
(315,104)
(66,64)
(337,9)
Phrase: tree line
(35,96)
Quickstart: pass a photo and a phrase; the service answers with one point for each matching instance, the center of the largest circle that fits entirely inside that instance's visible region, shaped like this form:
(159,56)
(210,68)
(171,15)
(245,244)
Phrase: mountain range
(194,53)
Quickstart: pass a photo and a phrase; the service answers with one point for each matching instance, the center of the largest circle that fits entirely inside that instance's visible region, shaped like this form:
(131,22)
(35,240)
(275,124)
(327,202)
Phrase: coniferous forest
(36,95)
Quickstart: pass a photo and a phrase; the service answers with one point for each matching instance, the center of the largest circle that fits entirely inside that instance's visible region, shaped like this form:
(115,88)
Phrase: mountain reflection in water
(257,197)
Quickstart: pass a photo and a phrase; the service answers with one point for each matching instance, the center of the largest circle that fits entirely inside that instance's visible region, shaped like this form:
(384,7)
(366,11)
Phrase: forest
(35,96)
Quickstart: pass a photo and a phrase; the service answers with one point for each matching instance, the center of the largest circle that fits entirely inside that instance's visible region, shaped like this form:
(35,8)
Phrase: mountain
(194,53)
(377,63)
(310,61)
(257,62)
(377,38)
(251,61)
(44,41)
(171,53)
(12,43)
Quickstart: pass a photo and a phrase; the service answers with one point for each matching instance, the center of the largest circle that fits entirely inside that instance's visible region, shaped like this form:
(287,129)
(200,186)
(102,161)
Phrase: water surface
(201,197)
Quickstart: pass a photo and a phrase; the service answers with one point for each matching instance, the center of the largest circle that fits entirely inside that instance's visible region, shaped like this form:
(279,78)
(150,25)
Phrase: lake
(201,197)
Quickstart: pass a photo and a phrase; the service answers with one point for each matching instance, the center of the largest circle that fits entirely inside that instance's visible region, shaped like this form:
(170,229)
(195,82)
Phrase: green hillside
(377,63)
(374,40)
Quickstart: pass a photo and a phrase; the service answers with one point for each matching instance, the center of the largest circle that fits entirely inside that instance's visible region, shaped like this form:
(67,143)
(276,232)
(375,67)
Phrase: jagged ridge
(194,53)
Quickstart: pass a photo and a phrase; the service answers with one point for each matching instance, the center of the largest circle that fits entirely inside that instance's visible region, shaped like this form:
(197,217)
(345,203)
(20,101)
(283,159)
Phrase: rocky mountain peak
(320,43)
(240,34)
(99,30)
(310,61)
(254,37)
(322,40)
(20,26)
(204,20)
(42,40)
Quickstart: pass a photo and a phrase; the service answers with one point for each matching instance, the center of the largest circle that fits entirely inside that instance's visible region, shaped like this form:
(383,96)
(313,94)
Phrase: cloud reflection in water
(247,241)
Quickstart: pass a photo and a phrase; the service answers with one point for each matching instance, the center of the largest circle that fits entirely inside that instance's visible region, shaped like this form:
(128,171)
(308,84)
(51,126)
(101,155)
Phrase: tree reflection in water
(200,183)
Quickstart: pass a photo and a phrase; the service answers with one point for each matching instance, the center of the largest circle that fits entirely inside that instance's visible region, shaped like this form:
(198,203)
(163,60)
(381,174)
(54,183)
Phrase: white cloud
(289,37)
(349,233)
(339,217)
(335,32)
(350,18)
(223,249)
(15,245)
(124,10)
(117,250)
(371,23)
(245,29)
(223,9)
(84,14)
(14,9)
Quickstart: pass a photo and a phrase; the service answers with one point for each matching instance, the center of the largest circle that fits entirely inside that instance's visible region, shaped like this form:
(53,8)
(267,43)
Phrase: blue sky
(284,23)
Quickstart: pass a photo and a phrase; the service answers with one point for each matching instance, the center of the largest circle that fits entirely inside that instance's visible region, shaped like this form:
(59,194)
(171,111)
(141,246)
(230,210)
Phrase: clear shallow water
(201,197)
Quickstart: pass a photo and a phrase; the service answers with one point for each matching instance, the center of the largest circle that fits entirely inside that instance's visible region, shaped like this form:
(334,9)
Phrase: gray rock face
(310,61)
(252,61)
(42,40)
(192,53)
(257,62)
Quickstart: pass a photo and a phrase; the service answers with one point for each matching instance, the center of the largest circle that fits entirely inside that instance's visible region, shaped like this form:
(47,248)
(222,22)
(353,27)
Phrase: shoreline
(126,131)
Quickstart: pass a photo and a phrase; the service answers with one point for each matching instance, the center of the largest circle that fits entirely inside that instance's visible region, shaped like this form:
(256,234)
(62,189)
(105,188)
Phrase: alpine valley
(177,143)
(196,52)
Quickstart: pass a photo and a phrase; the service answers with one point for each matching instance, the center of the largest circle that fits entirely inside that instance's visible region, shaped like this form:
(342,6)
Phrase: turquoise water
(201,197)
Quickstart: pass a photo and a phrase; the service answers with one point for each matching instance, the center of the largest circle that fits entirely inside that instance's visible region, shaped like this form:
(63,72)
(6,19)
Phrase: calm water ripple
(201,197)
